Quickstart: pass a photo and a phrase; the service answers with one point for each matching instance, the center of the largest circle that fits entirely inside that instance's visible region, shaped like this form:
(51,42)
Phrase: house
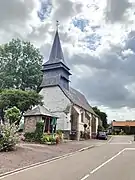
(74,112)
(40,113)
(127,127)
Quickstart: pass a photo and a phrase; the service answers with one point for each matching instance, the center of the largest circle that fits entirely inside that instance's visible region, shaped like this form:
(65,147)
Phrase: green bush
(29,136)
(48,138)
(39,131)
(13,115)
(121,133)
(59,134)
(9,138)
(59,131)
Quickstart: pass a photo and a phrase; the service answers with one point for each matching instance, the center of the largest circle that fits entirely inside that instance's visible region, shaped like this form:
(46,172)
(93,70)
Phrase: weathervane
(57,25)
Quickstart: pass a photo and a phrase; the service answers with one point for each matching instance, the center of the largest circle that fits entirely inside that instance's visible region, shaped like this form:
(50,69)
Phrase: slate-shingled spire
(55,70)
(56,54)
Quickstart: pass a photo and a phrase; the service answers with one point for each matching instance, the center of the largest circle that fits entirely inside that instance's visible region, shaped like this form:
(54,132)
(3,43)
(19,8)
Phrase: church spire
(57,25)
(56,54)
(55,70)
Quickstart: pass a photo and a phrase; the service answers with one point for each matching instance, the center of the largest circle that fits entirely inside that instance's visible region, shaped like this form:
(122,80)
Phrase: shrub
(13,115)
(9,138)
(39,131)
(59,131)
(29,136)
(60,135)
(121,133)
(48,138)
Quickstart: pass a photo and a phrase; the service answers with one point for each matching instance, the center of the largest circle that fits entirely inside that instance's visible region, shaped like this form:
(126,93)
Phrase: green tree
(13,115)
(23,100)
(102,115)
(20,65)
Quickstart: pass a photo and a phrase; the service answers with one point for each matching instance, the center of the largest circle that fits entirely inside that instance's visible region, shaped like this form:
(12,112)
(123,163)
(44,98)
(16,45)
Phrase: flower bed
(43,138)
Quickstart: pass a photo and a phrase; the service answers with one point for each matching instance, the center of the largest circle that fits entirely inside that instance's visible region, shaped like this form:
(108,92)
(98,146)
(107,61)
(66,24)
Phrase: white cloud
(17,18)
(101,55)
(118,11)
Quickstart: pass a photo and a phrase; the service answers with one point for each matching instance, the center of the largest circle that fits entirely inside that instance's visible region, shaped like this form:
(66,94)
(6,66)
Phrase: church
(71,107)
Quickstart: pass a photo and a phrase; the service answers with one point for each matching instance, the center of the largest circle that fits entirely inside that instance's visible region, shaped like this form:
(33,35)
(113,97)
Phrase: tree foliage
(13,115)
(8,137)
(20,65)
(23,100)
(102,115)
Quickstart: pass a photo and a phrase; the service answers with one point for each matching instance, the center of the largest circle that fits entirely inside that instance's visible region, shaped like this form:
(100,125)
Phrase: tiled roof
(123,123)
(56,54)
(79,99)
(39,110)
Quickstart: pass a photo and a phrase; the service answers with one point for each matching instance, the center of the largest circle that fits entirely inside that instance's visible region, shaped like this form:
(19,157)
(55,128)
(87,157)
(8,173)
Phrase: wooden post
(48,124)
(44,125)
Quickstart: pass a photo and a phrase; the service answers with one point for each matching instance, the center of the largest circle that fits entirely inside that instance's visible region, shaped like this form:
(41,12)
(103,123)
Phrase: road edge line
(34,165)
(107,161)
(110,139)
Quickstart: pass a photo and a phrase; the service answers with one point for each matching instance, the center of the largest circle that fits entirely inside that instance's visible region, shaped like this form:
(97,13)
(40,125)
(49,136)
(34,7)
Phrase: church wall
(56,102)
(85,120)
(97,123)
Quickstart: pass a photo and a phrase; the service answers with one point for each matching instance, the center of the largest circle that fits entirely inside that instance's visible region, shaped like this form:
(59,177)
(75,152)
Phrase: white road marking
(120,143)
(39,164)
(110,139)
(85,177)
(130,149)
(103,164)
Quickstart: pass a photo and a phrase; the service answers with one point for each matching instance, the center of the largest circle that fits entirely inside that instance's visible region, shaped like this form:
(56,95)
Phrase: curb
(3,175)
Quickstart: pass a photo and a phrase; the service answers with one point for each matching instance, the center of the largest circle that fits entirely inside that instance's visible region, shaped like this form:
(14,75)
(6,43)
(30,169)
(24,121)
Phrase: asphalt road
(112,160)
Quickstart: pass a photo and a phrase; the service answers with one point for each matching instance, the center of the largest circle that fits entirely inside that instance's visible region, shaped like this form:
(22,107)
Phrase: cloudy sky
(98,39)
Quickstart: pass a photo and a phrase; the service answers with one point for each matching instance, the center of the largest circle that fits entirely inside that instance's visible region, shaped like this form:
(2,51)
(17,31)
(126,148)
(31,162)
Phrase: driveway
(113,160)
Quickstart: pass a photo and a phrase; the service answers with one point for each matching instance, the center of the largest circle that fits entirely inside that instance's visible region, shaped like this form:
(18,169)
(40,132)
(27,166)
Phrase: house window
(82,117)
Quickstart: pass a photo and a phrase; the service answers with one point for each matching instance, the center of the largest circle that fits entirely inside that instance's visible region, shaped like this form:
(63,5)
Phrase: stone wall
(30,123)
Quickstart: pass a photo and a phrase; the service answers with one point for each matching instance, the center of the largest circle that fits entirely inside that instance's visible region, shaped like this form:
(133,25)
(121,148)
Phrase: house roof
(39,111)
(123,123)
(78,99)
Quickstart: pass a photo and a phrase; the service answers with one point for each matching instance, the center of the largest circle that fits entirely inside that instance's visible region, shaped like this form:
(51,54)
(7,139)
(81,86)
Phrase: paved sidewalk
(27,154)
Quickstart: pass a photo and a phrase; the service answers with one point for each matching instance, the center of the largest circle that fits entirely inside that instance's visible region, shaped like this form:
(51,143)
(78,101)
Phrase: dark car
(102,135)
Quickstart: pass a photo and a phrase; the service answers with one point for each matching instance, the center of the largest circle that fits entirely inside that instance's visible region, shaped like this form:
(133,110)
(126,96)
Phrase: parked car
(102,135)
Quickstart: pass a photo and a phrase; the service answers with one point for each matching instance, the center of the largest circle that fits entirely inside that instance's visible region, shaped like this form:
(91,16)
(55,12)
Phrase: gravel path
(27,154)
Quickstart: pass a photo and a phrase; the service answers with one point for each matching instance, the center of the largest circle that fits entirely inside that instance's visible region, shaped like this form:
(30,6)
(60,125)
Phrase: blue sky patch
(93,41)
(46,8)
(80,23)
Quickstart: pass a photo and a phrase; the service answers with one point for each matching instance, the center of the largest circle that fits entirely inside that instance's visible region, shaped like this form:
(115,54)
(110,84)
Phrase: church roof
(79,99)
(56,54)
(39,111)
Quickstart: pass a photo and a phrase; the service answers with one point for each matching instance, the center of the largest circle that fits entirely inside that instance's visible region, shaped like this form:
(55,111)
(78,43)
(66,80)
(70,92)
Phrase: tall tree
(20,65)
(102,115)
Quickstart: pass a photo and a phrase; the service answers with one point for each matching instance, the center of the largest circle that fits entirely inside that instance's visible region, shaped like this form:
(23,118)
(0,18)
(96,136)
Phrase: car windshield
(102,133)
